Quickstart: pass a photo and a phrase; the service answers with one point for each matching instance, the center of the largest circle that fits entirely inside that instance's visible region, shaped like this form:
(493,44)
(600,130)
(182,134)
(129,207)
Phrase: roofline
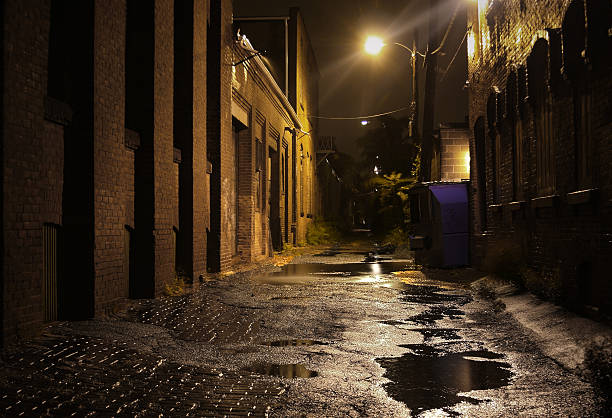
(245,45)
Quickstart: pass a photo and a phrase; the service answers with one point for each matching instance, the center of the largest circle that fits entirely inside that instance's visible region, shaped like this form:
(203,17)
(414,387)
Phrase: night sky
(354,83)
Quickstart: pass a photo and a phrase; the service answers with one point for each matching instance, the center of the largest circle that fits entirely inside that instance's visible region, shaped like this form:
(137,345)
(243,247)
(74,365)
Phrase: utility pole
(414,110)
(430,94)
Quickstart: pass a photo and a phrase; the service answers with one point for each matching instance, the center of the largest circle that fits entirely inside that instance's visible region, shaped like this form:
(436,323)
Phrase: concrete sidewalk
(560,334)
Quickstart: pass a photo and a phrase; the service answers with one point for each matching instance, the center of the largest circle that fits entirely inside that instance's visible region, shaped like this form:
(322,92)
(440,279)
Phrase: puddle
(428,378)
(432,315)
(282,370)
(372,258)
(330,253)
(427,295)
(293,343)
(440,333)
(304,273)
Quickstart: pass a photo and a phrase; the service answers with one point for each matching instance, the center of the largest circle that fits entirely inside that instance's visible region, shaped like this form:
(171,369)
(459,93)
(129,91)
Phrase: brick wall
(454,147)
(304,76)
(112,174)
(31,179)
(200,185)
(564,237)
(69,161)
(256,106)
(189,132)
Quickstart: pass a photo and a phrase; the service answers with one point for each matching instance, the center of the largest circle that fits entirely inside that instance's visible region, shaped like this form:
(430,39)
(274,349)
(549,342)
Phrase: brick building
(451,154)
(118,155)
(540,113)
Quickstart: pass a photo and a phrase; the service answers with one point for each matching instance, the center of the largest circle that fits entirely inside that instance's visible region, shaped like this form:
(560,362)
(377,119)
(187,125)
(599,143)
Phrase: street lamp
(373,45)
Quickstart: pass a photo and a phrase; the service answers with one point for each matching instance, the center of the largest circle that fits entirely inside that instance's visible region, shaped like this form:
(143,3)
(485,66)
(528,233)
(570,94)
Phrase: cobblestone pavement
(322,337)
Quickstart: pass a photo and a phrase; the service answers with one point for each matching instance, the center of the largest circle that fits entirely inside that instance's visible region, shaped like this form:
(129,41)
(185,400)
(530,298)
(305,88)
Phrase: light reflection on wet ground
(429,378)
(431,375)
(299,274)
(379,338)
(290,371)
(293,343)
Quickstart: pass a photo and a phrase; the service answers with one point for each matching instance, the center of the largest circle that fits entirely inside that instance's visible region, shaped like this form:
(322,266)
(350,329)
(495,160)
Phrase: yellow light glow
(373,45)
(467,161)
(471,44)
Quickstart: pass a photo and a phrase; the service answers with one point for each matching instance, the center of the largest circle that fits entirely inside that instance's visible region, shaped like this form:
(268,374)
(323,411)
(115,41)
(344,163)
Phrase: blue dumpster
(440,223)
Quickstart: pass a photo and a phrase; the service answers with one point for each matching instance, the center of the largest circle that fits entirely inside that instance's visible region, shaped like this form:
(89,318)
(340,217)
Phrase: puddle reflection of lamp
(375,268)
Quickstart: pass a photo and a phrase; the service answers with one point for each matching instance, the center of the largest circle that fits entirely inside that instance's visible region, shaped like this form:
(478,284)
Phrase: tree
(390,169)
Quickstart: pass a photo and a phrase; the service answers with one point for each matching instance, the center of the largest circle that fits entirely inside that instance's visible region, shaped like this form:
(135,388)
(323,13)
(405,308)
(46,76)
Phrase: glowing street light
(373,45)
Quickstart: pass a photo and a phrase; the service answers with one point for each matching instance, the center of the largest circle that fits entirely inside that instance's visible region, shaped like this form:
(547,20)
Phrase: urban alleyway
(336,333)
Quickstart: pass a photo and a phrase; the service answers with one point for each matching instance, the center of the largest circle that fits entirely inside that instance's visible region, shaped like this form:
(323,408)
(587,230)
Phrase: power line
(455,56)
(362,117)
(448,29)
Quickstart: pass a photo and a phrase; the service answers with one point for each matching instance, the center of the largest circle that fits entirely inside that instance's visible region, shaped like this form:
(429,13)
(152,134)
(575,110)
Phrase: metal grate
(51,270)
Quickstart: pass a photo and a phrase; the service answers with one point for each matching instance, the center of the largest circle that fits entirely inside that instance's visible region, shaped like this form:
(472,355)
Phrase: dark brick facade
(268,149)
(124,161)
(541,143)
(87,162)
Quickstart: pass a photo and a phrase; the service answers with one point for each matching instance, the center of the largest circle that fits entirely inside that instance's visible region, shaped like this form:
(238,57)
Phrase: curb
(562,335)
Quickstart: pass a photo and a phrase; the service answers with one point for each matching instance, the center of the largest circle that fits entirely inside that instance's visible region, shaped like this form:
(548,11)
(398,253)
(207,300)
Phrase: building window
(541,102)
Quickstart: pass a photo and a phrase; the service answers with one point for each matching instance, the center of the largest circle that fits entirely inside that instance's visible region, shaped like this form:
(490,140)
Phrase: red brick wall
(200,186)
(556,239)
(454,145)
(113,177)
(306,96)
(257,105)
(33,165)
(33,153)
(165,195)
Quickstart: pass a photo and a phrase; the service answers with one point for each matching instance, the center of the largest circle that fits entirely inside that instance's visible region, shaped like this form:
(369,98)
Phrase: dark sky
(353,83)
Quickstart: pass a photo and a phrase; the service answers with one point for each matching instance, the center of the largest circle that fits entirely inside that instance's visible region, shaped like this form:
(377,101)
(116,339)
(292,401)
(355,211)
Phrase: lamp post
(373,46)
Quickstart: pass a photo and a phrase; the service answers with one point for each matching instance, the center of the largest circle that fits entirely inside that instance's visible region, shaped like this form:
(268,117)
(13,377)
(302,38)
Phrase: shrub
(176,287)
(397,237)
(322,232)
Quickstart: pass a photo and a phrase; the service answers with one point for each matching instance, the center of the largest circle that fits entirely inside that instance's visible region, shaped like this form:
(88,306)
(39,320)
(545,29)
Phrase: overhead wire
(455,55)
(361,117)
(440,46)
(448,29)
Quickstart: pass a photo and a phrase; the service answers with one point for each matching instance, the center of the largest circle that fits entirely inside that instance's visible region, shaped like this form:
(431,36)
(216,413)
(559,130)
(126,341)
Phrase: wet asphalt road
(328,335)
